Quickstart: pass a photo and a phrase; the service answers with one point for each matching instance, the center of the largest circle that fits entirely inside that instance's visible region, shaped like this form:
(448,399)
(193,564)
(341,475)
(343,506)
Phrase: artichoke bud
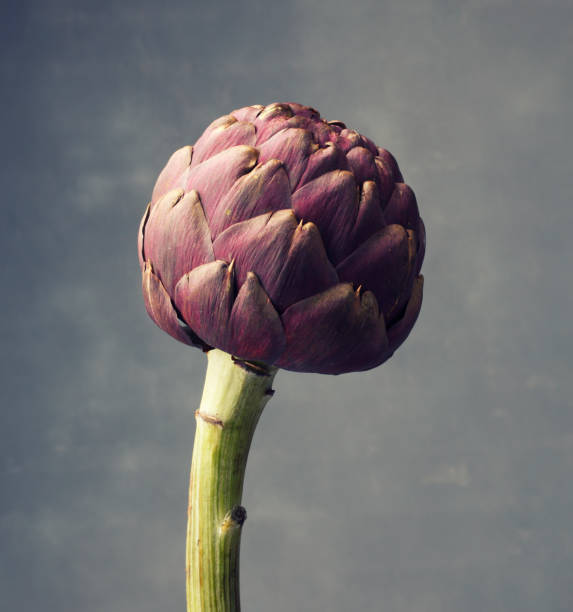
(282,238)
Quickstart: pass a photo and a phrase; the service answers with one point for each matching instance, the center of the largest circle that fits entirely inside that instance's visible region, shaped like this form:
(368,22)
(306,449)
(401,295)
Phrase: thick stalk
(234,396)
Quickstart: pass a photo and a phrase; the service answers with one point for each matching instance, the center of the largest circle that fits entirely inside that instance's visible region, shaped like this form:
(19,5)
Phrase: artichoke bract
(282,238)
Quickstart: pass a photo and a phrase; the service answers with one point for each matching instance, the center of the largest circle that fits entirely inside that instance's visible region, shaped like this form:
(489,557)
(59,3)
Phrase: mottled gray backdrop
(440,482)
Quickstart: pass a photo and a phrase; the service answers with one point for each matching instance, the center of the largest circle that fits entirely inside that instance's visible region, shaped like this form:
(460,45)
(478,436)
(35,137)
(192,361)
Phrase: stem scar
(209,419)
(234,519)
(250,366)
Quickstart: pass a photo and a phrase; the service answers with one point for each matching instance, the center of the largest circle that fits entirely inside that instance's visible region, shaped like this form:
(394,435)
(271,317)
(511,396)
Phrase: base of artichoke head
(234,396)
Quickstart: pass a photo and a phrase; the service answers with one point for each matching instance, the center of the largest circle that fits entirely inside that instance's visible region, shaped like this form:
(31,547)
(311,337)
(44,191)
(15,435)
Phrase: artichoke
(283,238)
(279,240)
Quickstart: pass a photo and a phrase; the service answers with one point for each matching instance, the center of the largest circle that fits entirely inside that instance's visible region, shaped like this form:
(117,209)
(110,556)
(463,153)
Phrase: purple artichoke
(283,238)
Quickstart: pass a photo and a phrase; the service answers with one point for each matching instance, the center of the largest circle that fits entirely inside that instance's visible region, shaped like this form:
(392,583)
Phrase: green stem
(234,396)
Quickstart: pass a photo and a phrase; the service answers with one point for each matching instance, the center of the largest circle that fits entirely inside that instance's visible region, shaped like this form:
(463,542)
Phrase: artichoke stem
(234,396)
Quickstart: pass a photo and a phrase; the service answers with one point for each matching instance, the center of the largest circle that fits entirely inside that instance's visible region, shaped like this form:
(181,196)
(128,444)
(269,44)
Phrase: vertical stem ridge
(234,396)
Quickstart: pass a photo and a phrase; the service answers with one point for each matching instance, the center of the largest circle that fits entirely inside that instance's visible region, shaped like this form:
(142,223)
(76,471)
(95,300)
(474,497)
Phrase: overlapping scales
(280,237)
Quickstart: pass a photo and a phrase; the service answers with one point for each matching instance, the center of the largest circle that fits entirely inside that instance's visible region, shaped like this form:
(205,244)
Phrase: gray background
(439,482)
